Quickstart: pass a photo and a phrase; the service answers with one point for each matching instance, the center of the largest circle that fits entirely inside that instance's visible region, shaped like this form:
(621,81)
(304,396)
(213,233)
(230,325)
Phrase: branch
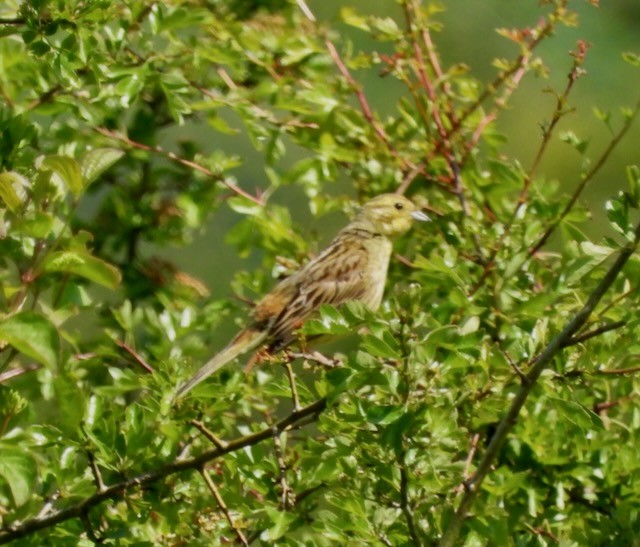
(618,371)
(357,89)
(405,504)
(30,526)
(136,356)
(223,507)
(586,179)
(539,363)
(595,332)
(187,163)
(559,112)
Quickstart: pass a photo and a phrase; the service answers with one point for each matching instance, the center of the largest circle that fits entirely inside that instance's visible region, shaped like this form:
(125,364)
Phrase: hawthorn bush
(492,399)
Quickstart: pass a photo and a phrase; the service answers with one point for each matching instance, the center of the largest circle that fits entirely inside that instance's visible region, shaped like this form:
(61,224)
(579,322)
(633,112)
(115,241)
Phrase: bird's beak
(419,215)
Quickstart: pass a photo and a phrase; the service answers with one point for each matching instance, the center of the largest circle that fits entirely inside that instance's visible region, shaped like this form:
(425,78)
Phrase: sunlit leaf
(32,334)
(18,469)
(68,170)
(84,265)
(97,161)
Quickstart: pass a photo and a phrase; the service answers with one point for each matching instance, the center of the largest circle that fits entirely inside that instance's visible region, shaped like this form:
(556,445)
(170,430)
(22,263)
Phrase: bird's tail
(244,341)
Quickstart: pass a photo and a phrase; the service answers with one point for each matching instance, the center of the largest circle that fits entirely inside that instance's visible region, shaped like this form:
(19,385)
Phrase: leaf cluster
(125,127)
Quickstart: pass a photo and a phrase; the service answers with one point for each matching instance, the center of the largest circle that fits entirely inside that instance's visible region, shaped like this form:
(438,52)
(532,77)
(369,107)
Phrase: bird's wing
(335,276)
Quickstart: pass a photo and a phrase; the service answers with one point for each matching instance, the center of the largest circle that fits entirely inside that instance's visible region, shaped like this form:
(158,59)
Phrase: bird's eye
(399,206)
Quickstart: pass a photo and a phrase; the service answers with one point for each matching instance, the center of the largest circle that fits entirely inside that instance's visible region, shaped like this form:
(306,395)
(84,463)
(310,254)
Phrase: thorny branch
(115,491)
(538,364)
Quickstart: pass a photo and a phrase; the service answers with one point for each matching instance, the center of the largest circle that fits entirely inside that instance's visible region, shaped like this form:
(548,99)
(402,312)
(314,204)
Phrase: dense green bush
(491,398)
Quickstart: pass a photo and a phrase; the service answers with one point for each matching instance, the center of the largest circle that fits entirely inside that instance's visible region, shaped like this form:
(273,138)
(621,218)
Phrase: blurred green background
(468,36)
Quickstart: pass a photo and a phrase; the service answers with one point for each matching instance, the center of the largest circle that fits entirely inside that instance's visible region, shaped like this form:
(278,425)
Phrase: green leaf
(632,58)
(67,169)
(378,347)
(32,334)
(97,162)
(84,265)
(38,225)
(280,521)
(633,175)
(18,469)
(11,191)
(577,414)
(384,415)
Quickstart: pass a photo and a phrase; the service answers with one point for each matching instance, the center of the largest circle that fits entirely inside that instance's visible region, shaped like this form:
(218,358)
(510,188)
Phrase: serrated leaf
(32,334)
(67,169)
(19,471)
(97,162)
(84,265)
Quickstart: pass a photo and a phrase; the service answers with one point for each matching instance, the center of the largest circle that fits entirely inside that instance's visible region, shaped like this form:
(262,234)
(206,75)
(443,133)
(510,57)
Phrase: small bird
(353,267)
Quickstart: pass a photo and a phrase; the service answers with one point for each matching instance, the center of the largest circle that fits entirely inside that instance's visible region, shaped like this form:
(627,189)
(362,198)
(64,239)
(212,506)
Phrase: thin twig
(292,382)
(618,371)
(88,528)
(538,365)
(97,476)
(405,503)
(599,408)
(14,532)
(286,493)
(595,332)
(467,463)
(136,356)
(585,180)
(187,163)
(560,111)
(217,441)
(357,88)
(223,507)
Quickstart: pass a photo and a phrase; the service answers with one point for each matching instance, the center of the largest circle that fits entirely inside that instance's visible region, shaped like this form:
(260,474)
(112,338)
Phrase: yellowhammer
(353,267)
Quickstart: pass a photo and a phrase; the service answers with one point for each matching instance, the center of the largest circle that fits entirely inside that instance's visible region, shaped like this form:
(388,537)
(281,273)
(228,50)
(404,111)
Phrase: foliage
(411,418)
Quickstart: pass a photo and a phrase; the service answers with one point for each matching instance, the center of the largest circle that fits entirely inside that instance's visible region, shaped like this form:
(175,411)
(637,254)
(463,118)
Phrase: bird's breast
(379,253)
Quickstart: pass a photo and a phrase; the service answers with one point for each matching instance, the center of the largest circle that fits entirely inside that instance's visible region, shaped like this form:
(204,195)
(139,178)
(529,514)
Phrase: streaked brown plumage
(353,267)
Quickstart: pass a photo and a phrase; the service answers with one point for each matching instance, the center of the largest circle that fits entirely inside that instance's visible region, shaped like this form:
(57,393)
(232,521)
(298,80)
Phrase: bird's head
(390,214)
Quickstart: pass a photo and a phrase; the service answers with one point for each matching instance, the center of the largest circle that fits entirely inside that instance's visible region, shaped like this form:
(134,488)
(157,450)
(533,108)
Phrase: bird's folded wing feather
(334,277)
